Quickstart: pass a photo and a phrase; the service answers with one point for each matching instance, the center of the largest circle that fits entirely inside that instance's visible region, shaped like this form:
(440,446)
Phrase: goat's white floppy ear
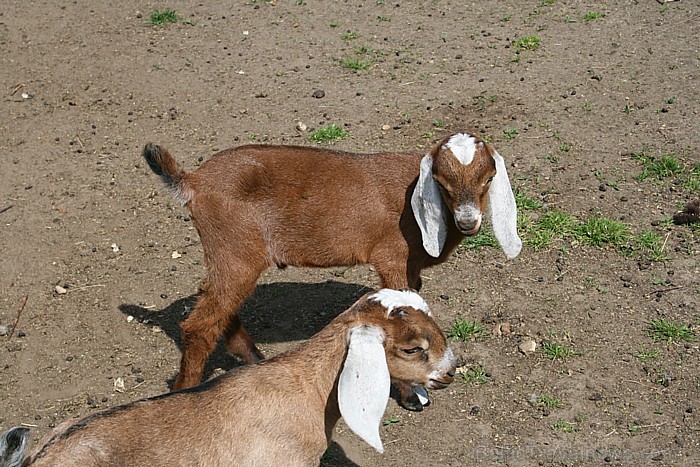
(429,210)
(504,213)
(363,386)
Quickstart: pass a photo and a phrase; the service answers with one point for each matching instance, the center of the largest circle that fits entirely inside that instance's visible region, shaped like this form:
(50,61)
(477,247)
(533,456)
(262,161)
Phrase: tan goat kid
(261,205)
(278,411)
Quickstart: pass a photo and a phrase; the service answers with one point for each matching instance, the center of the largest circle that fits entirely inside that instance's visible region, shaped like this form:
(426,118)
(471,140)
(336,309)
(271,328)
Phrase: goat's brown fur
(279,410)
(257,206)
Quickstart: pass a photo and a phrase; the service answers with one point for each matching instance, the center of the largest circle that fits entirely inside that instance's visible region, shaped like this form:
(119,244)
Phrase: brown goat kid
(261,205)
(281,410)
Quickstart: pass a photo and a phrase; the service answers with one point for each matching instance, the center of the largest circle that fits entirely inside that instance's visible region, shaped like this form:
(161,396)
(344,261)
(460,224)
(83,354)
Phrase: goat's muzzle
(440,384)
(468,227)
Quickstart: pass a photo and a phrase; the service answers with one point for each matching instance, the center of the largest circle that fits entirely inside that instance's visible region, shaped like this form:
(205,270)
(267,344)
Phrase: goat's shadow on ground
(335,457)
(277,312)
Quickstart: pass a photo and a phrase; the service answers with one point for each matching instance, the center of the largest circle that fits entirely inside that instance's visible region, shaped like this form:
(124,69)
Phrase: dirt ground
(86,84)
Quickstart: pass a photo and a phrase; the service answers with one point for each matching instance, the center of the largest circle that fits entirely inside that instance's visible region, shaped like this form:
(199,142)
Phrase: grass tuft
(557,351)
(665,330)
(551,402)
(599,231)
(354,64)
(328,134)
(160,18)
(467,330)
(527,43)
(476,376)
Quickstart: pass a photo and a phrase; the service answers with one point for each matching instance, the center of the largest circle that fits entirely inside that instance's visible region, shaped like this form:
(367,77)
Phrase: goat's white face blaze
(391,299)
(463,146)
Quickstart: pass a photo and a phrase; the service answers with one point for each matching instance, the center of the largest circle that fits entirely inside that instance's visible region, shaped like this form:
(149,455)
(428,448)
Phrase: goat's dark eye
(413,350)
(489,180)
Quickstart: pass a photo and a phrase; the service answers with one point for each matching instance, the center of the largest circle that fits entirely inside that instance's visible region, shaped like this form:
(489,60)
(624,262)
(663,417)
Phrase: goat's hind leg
(239,342)
(216,313)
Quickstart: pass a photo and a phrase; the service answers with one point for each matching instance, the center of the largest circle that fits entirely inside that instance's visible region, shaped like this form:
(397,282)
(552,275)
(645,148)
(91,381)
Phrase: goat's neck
(322,358)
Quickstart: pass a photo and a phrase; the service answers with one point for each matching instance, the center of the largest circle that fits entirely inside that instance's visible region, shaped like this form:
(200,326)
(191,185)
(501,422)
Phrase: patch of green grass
(647,354)
(653,245)
(355,64)
(565,147)
(551,402)
(550,225)
(561,425)
(600,231)
(593,15)
(510,133)
(557,351)
(467,330)
(665,330)
(160,18)
(484,238)
(665,166)
(692,183)
(524,202)
(349,36)
(476,376)
(328,134)
(391,421)
(551,158)
(438,124)
(526,43)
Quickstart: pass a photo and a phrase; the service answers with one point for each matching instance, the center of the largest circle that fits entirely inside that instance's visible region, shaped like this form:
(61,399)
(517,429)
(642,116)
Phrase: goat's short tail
(12,444)
(165,166)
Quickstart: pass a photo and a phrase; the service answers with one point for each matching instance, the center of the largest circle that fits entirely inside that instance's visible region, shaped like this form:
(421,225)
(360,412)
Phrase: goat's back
(246,417)
(303,206)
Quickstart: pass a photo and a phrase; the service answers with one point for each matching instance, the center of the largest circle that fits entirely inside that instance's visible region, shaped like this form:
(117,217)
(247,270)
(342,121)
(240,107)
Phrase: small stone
(689,410)
(4,330)
(603,187)
(69,358)
(119,384)
(163,296)
(445,297)
(596,396)
(623,198)
(301,126)
(175,255)
(140,380)
(318,94)
(386,127)
(60,290)
(607,459)
(528,346)
(21,334)
(475,410)
(115,248)
(129,319)
(156,329)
